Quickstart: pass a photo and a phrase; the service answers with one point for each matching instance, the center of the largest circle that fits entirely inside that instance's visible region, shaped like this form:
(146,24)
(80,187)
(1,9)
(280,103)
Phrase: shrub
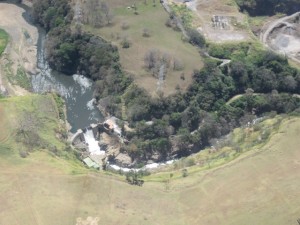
(196,38)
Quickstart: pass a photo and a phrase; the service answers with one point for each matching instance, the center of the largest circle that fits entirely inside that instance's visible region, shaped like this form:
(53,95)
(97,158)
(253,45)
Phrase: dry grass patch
(261,187)
(127,26)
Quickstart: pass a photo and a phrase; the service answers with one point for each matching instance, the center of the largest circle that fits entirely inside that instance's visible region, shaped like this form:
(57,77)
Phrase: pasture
(130,26)
(259,187)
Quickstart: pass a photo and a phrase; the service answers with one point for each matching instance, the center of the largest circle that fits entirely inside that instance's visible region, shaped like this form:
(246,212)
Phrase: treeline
(269,7)
(183,123)
(70,50)
(187,122)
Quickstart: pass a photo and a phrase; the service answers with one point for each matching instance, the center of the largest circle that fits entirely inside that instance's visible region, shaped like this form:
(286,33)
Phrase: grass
(43,122)
(260,187)
(3,40)
(161,38)
(235,145)
(21,79)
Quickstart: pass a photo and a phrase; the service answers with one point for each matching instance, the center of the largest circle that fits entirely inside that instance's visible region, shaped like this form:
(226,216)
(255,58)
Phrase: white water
(146,167)
(76,90)
(90,104)
(84,82)
(93,145)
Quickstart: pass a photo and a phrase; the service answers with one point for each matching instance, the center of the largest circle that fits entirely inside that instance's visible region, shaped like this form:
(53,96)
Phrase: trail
(192,5)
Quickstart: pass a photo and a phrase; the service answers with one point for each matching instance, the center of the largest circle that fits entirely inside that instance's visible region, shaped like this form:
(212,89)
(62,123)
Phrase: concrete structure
(90,163)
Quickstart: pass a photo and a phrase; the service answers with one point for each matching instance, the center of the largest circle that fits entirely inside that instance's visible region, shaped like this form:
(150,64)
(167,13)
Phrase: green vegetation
(3,40)
(202,114)
(31,123)
(185,14)
(185,122)
(60,106)
(236,144)
(266,176)
(144,34)
(21,79)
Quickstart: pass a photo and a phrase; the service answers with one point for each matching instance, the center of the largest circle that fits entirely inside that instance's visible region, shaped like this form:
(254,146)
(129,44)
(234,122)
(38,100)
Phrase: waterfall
(92,143)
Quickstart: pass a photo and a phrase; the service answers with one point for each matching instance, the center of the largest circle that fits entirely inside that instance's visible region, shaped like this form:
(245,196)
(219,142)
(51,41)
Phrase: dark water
(76,90)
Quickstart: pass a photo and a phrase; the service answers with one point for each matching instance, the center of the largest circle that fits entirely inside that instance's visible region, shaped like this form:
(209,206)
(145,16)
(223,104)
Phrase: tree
(146,32)
(264,80)
(106,11)
(151,58)
(195,38)
(287,83)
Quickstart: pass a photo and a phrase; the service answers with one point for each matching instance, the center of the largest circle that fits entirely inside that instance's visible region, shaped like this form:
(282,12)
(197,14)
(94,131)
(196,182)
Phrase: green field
(258,187)
(30,123)
(161,38)
(3,40)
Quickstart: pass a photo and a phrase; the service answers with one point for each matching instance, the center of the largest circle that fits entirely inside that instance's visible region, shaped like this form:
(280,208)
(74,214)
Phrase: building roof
(90,163)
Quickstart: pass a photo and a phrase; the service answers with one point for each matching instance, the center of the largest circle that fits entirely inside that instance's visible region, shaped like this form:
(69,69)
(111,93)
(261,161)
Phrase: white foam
(84,82)
(152,166)
(93,145)
(90,104)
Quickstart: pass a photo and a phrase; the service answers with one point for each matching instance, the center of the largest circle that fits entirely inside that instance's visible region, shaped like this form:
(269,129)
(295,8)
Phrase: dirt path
(22,49)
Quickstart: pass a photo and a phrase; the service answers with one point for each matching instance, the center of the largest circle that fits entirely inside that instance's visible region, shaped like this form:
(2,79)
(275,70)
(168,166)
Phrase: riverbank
(21,51)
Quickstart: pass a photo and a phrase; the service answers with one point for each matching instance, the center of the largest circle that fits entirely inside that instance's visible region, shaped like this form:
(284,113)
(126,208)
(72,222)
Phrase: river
(76,90)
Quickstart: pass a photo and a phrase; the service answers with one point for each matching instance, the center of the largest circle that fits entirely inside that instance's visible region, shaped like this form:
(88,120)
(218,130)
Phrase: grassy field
(161,38)
(259,187)
(3,40)
(37,116)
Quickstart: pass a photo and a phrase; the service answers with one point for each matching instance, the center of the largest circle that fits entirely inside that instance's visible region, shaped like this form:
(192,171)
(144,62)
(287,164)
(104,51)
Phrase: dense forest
(70,50)
(184,122)
(269,7)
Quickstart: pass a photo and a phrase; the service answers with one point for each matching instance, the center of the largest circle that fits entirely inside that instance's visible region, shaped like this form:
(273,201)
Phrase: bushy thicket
(70,50)
(184,122)
(187,122)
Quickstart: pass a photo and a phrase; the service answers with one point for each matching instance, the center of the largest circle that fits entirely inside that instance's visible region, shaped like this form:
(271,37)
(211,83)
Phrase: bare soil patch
(283,36)
(235,26)
(22,49)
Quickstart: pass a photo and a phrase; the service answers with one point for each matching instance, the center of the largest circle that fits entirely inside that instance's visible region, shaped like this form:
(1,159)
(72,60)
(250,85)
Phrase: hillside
(259,188)
(140,30)
(30,123)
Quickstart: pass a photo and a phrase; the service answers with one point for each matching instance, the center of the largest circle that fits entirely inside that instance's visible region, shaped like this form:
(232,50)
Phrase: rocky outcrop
(123,160)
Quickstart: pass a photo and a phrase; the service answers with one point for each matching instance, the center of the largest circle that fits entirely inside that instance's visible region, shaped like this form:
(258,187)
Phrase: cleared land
(21,50)
(161,38)
(231,25)
(282,36)
(260,187)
